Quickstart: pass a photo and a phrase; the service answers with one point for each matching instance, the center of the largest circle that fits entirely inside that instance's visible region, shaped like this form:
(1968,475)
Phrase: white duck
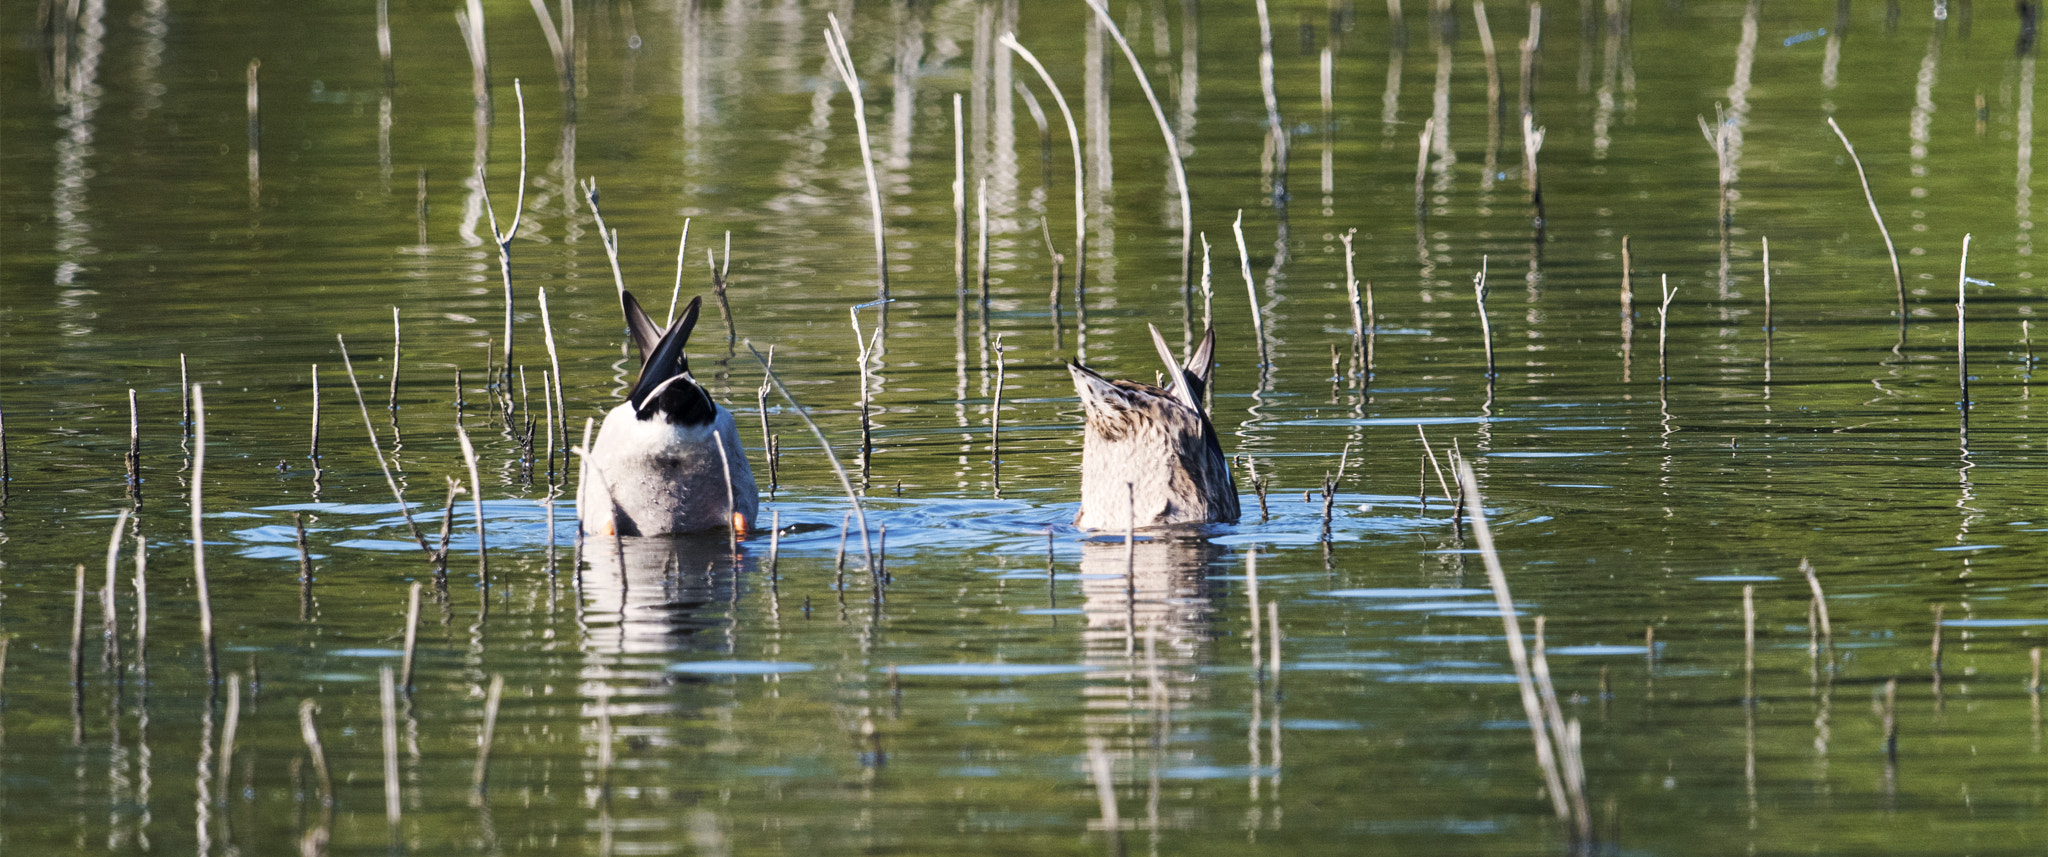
(1154,446)
(655,467)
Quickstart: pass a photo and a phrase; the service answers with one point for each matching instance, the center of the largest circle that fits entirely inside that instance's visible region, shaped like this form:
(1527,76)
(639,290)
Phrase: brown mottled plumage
(1152,445)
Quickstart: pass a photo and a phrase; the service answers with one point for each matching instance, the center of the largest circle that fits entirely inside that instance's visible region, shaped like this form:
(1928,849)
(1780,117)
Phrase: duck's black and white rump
(655,467)
(1152,446)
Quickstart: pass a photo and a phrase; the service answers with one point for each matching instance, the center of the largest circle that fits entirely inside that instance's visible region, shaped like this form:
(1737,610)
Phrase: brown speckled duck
(1152,444)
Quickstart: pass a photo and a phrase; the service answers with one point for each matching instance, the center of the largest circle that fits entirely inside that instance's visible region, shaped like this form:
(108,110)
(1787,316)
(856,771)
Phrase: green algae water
(999,681)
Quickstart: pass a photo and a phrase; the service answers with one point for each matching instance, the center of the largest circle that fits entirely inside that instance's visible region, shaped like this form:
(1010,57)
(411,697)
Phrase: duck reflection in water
(645,599)
(1166,596)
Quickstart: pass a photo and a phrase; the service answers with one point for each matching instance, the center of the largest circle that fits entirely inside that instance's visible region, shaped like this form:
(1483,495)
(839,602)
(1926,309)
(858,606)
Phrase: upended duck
(1154,446)
(655,467)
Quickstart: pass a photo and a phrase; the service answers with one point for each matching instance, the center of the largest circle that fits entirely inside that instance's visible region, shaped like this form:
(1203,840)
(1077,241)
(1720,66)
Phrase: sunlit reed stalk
(1326,78)
(110,660)
(504,239)
(1258,485)
(483,747)
(1547,755)
(733,522)
(255,138)
(199,536)
(558,406)
(959,202)
(719,269)
(844,482)
(184,397)
(412,637)
(1962,332)
(1479,290)
(609,238)
(77,647)
(387,707)
(1663,313)
(305,567)
(476,490)
(1357,311)
(1009,40)
(675,295)
(866,345)
(313,449)
(1890,250)
(1251,290)
(995,425)
(133,458)
(378,448)
(842,61)
(1820,601)
(1208,287)
(1173,152)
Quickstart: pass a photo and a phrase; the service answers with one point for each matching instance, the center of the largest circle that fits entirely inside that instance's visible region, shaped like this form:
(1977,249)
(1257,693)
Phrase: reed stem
(377,447)
(842,62)
(199,536)
(1892,251)
(1009,40)
(1173,150)
(844,482)
(1244,263)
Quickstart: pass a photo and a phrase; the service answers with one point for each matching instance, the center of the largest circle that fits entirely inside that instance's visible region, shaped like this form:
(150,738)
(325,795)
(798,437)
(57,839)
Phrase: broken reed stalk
(1244,264)
(1569,805)
(995,425)
(1962,332)
(387,705)
(1479,290)
(412,637)
(866,345)
(1174,156)
(378,448)
(719,268)
(1329,504)
(1009,40)
(313,451)
(199,537)
(1890,250)
(134,458)
(842,61)
(483,747)
(1358,321)
(392,404)
(476,490)
(504,239)
(831,458)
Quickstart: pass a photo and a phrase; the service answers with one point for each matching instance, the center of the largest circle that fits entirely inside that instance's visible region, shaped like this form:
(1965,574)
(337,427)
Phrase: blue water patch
(989,670)
(1544,454)
(1391,592)
(1451,678)
(1992,623)
(1595,649)
(1346,666)
(739,667)
(1970,548)
(1308,725)
(1582,428)
(367,653)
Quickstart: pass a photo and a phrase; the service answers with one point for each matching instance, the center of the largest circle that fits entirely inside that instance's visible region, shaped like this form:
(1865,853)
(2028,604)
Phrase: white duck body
(651,477)
(655,467)
(1152,446)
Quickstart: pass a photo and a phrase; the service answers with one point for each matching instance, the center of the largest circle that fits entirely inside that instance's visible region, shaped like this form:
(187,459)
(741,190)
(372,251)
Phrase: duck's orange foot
(739,523)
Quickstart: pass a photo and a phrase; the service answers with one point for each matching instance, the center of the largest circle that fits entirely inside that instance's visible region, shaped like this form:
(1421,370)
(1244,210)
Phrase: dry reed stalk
(558,407)
(608,237)
(719,269)
(732,518)
(134,457)
(675,295)
(995,425)
(1244,263)
(1567,805)
(1479,291)
(831,458)
(1663,313)
(483,749)
(476,490)
(1898,279)
(1351,293)
(392,404)
(1173,151)
(1827,630)
(412,637)
(387,706)
(199,536)
(1329,505)
(1962,331)
(841,60)
(184,397)
(867,346)
(504,239)
(377,447)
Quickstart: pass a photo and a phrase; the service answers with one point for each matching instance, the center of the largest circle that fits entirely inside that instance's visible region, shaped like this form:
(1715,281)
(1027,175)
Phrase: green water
(701,700)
